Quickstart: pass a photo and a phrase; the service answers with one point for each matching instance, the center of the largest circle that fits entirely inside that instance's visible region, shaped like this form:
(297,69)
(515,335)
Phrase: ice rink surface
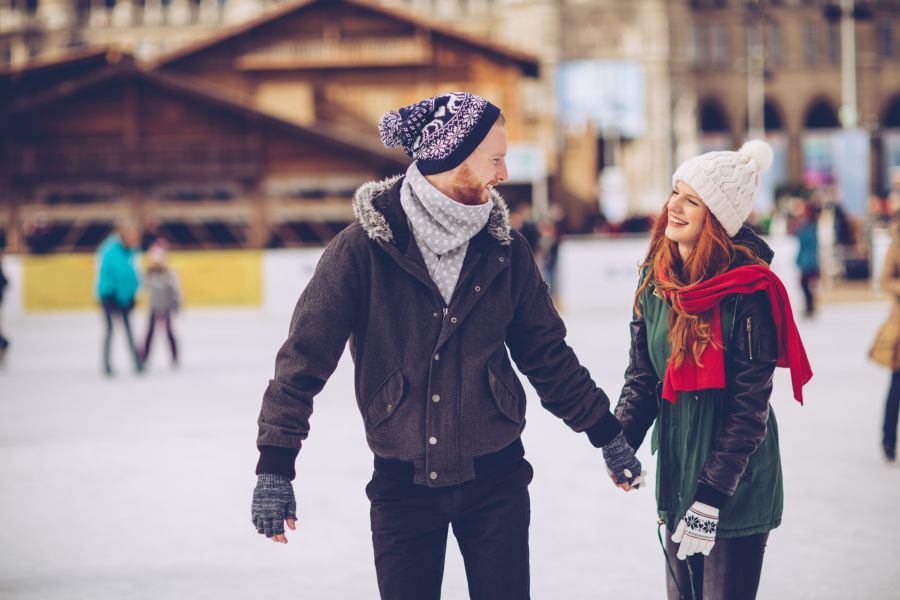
(138,487)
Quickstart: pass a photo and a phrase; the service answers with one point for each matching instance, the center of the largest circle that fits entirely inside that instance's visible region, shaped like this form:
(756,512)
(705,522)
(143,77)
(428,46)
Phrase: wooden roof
(218,97)
(526,62)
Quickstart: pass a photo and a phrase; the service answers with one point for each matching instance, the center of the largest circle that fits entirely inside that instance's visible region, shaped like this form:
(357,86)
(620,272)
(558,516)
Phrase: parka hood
(750,239)
(377,227)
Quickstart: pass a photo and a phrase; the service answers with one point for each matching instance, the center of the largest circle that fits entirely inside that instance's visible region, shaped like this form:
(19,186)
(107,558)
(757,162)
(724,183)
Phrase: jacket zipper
(750,337)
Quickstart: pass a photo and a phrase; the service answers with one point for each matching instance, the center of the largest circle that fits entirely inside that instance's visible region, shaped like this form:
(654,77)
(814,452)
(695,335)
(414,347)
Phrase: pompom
(389,127)
(759,151)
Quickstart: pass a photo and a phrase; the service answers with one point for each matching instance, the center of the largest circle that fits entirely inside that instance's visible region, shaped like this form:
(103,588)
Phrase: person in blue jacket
(117,286)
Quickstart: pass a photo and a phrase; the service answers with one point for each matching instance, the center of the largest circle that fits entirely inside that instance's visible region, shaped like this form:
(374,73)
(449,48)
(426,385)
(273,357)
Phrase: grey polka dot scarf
(442,228)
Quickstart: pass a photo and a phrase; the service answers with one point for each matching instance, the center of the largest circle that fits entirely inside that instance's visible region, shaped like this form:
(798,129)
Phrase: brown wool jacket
(434,382)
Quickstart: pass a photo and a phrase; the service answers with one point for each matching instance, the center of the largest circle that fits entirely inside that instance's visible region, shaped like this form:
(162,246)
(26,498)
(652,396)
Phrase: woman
(886,348)
(116,287)
(711,323)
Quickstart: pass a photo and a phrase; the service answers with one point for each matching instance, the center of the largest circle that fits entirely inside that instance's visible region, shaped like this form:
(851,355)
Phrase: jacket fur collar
(376,226)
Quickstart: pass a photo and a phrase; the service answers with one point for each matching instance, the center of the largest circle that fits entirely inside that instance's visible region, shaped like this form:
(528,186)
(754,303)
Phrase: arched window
(892,115)
(712,117)
(821,115)
(772,117)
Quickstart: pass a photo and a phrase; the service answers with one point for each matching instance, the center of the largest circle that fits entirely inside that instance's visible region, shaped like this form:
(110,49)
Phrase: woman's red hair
(713,254)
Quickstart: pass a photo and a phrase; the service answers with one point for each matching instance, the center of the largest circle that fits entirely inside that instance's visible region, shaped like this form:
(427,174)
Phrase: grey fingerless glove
(621,462)
(273,502)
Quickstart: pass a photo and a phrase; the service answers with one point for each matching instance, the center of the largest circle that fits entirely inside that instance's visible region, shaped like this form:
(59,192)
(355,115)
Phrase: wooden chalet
(201,164)
(254,137)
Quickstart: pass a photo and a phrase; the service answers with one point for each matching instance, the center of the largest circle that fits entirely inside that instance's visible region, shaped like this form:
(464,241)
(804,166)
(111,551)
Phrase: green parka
(716,446)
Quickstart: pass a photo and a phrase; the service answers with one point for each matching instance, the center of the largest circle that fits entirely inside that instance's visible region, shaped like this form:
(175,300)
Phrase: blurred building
(145,28)
(640,86)
(254,136)
(606,97)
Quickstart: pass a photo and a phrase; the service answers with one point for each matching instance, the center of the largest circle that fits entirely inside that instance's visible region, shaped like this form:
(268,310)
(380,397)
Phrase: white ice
(139,487)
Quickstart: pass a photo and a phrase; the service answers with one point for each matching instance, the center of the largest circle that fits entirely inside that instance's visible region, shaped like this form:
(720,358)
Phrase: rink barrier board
(207,278)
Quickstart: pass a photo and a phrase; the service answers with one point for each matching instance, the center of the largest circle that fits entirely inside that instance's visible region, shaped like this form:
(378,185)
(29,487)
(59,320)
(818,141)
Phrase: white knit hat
(727,181)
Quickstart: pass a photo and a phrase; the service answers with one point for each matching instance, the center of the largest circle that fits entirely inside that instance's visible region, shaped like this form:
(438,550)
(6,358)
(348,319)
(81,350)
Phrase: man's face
(472,181)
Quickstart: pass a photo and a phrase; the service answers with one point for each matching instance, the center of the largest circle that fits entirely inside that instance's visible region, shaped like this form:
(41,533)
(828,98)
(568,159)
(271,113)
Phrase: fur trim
(377,227)
(369,218)
(498,221)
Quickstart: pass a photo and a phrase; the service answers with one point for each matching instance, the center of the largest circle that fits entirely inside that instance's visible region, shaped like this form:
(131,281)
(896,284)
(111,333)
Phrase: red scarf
(708,295)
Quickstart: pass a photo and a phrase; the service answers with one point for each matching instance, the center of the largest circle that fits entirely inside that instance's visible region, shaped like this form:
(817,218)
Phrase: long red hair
(713,254)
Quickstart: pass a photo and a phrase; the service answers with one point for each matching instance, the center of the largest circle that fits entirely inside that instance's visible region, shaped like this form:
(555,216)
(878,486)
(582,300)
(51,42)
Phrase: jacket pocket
(761,343)
(510,403)
(385,401)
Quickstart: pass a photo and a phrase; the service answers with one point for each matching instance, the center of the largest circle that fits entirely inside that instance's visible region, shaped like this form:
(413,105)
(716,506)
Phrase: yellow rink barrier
(207,278)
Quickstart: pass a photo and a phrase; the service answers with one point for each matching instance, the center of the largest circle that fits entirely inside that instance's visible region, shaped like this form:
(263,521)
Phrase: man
(431,287)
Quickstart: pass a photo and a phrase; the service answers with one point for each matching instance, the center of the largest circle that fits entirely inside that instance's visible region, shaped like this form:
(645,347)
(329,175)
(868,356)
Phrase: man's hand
(697,530)
(623,466)
(273,504)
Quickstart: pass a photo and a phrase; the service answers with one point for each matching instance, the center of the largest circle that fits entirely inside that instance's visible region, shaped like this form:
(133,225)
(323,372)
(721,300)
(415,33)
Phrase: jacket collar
(377,208)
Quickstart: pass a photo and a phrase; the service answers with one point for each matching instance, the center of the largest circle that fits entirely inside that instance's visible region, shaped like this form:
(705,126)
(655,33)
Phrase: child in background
(164,298)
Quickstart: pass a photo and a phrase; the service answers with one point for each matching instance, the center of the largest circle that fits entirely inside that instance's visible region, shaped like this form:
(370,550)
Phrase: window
(834,43)
(698,48)
(720,50)
(886,39)
(810,44)
(774,44)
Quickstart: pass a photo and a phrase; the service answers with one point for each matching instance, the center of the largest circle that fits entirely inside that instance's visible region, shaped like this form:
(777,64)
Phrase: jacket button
(436,398)
(434,315)
(432,475)
(502,259)
(453,319)
(477,288)
(432,440)
(390,407)
(437,356)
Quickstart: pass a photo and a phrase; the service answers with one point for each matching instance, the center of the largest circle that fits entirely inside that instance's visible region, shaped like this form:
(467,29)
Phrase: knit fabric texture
(727,181)
(441,226)
(439,132)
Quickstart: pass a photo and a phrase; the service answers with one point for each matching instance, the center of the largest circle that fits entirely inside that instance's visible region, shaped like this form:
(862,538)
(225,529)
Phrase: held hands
(622,465)
(273,504)
(697,530)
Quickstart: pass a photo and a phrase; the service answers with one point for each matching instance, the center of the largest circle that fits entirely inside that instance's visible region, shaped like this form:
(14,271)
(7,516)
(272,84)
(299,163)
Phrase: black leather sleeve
(637,408)
(750,366)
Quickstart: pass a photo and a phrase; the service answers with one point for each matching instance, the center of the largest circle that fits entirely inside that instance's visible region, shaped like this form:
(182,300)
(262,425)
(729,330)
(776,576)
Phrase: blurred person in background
(4,283)
(520,220)
(806,230)
(117,286)
(711,322)
(38,235)
(548,253)
(163,297)
(431,286)
(886,347)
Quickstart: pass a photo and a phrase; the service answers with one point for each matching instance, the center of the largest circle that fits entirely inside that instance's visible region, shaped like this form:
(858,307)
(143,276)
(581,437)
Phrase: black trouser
(112,308)
(166,317)
(730,572)
(490,517)
(807,282)
(891,409)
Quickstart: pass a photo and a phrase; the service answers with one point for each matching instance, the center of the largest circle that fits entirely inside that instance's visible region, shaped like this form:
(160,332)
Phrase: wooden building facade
(254,138)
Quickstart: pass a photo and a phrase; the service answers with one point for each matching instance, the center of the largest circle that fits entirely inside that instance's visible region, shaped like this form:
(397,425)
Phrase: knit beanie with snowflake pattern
(727,181)
(439,132)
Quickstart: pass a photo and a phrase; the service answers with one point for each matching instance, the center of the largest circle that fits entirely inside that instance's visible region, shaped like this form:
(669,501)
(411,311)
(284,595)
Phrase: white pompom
(759,151)
(389,127)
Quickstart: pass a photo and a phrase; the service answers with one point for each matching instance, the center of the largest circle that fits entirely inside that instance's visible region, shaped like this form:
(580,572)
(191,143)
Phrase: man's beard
(467,189)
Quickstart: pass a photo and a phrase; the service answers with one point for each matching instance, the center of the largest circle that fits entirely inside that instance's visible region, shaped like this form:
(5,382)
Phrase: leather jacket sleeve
(638,404)
(750,367)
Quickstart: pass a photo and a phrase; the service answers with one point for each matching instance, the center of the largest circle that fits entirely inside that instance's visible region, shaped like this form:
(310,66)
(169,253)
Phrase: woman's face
(686,215)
